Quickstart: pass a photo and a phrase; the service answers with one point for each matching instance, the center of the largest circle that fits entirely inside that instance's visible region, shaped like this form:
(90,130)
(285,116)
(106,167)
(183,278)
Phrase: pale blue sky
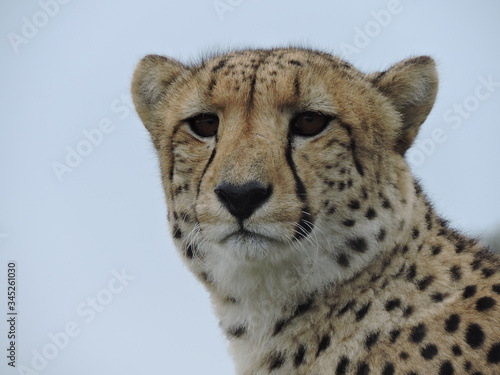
(65,71)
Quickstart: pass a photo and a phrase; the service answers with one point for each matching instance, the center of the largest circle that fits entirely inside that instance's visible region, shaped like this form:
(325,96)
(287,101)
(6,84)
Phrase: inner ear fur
(411,85)
(152,77)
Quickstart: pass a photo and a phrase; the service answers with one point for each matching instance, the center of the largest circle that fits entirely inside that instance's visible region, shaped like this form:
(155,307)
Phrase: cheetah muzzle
(289,197)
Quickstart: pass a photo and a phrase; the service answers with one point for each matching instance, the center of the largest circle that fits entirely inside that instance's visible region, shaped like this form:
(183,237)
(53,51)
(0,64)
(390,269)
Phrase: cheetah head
(283,166)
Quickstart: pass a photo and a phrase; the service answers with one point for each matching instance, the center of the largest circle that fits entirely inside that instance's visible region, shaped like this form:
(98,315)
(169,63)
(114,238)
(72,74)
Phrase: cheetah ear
(152,77)
(411,85)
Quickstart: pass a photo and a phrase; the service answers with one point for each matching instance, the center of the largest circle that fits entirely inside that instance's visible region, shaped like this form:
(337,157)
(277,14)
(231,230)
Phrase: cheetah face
(282,157)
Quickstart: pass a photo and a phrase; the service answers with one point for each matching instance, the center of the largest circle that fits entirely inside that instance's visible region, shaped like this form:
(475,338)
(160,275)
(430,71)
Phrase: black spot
(211,85)
(456,273)
(456,350)
(429,351)
(349,223)
(299,310)
(418,333)
(205,277)
(371,213)
(404,355)
(402,269)
(435,250)
(381,235)
(237,331)
(354,205)
(295,62)
(485,303)
(185,217)
(349,305)
(177,232)
(363,369)
(411,272)
(496,288)
(425,282)
(365,193)
(231,299)
(323,344)
(279,326)
(343,260)
(467,366)
(446,368)
(474,336)
(303,307)
(418,188)
(341,186)
(404,249)
(388,369)
(451,324)
(469,291)
(494,353)
(394,334)
(358,244)
(219,66)
(296,87)
(371,339)
(488,272)
(407,311)
(386,203)
(361,313)
(342,366)
(437,297)
(190,250)
(298,359)
(415,233)
(392,304)
(277,360)
(476,264)
(459,247)
(428,220)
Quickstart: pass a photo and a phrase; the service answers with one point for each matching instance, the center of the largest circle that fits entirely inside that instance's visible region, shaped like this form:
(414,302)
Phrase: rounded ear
(411,85)
(152,77)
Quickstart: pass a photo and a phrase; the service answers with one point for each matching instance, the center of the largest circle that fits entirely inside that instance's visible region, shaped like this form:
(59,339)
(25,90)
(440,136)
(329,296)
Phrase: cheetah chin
(290,199)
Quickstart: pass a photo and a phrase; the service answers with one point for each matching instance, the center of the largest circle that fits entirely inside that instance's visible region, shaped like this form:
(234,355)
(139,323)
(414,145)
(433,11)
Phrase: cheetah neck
(255,322)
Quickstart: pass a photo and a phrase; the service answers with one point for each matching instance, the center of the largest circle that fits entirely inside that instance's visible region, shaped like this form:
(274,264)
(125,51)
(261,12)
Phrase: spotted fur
(340,264)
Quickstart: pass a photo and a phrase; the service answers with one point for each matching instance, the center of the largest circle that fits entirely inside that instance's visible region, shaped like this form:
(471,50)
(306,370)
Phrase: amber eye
(204,125)
(309,123)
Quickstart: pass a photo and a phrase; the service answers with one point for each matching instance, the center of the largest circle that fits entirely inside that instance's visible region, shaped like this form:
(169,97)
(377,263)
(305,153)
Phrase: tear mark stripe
(357,163)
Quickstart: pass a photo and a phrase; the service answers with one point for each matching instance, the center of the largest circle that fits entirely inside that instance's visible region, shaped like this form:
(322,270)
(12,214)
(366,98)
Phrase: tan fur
(345,268)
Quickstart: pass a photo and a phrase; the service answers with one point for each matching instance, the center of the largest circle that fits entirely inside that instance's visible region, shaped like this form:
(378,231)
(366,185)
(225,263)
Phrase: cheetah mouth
(247,236)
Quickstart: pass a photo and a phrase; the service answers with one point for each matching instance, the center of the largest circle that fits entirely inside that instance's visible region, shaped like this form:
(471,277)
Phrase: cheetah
(290,199)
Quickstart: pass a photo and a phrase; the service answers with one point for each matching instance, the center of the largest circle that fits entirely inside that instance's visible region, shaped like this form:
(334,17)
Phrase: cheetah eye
(309,123)
(204,125)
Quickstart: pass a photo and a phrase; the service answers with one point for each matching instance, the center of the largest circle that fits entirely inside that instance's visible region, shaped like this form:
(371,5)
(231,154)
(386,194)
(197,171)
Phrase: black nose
(242,200)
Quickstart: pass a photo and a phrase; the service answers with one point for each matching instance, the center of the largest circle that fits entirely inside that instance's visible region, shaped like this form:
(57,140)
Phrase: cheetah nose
(242,200)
